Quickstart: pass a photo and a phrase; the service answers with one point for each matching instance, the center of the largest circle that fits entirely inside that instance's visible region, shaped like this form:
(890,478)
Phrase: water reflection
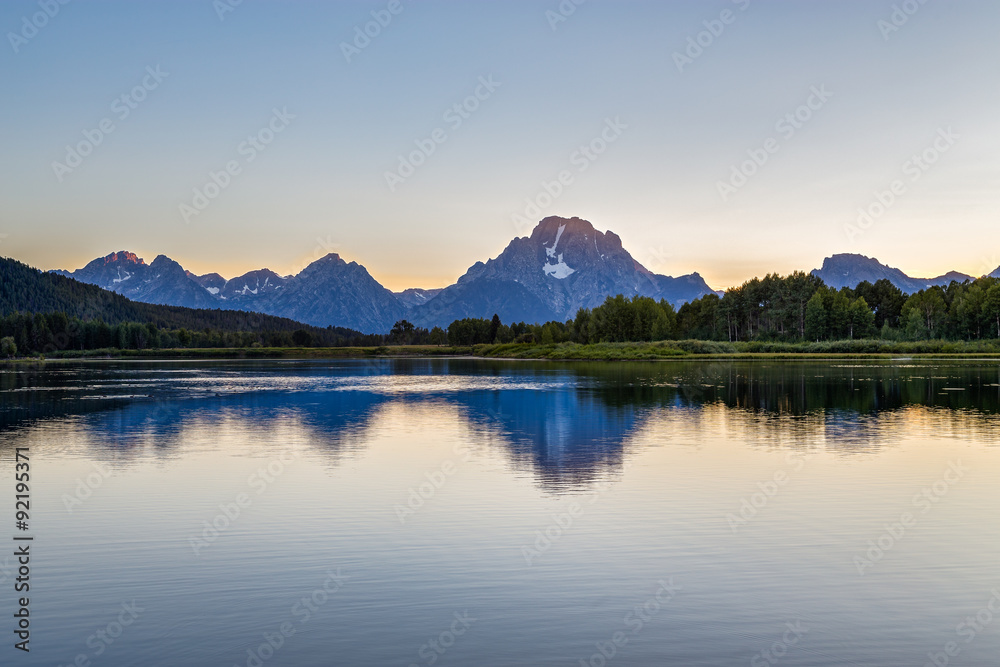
(566,438)
(684,445)
(565,424)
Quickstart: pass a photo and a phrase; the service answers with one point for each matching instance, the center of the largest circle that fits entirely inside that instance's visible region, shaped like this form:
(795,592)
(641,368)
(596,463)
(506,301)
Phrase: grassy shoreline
(693,349)
(664,350)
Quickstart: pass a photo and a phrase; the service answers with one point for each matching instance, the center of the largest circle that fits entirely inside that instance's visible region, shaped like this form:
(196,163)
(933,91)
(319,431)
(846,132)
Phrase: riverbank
(690,349)
(258,353)
(744,350)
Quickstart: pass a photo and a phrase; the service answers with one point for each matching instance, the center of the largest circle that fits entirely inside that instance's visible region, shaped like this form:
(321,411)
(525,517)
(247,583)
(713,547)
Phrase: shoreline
(660,351)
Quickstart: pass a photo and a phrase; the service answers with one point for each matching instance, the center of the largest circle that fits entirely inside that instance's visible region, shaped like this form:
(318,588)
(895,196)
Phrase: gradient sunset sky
(887,80)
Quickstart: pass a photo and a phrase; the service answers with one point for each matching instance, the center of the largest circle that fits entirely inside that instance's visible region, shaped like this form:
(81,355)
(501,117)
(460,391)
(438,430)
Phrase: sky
(729,137)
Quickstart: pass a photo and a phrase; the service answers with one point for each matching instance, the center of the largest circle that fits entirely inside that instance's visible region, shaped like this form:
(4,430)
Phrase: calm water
(456,512)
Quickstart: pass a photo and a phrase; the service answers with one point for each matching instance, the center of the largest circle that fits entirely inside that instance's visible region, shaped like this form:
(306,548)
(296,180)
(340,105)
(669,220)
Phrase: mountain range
(564,265)
(847,270)
(28,291)
(327,292)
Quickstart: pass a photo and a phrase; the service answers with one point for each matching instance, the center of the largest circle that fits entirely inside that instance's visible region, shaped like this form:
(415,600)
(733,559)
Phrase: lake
(469,512)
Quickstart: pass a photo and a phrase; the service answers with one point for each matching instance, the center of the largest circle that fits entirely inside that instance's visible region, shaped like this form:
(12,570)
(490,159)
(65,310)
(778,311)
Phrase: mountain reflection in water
(567,425)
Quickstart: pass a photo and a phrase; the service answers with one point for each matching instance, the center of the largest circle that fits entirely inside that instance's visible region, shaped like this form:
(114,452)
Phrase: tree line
(45,333)
(794,308)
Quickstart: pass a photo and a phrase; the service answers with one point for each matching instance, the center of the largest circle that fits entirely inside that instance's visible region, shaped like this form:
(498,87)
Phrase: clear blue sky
(321,185)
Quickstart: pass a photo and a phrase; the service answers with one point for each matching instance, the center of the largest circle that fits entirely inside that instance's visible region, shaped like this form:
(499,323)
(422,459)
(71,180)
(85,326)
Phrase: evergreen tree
(494,328)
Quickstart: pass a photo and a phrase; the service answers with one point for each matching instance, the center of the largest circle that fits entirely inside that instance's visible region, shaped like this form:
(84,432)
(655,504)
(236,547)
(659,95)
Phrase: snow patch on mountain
(551,252)
(560,270)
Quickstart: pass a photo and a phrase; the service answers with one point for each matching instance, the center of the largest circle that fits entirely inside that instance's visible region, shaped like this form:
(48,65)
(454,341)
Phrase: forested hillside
(43,311)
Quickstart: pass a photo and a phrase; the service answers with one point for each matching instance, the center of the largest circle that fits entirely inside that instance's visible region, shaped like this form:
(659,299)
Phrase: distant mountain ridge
(332,290)
(416,296)
(24,289)
(326,292)
(163,282)
(564,265)
(847,270)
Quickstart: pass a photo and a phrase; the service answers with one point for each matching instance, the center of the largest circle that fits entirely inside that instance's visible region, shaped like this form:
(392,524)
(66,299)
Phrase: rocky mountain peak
(849,269)
(570,226)
(565,264)
(123,256)
(163,262)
